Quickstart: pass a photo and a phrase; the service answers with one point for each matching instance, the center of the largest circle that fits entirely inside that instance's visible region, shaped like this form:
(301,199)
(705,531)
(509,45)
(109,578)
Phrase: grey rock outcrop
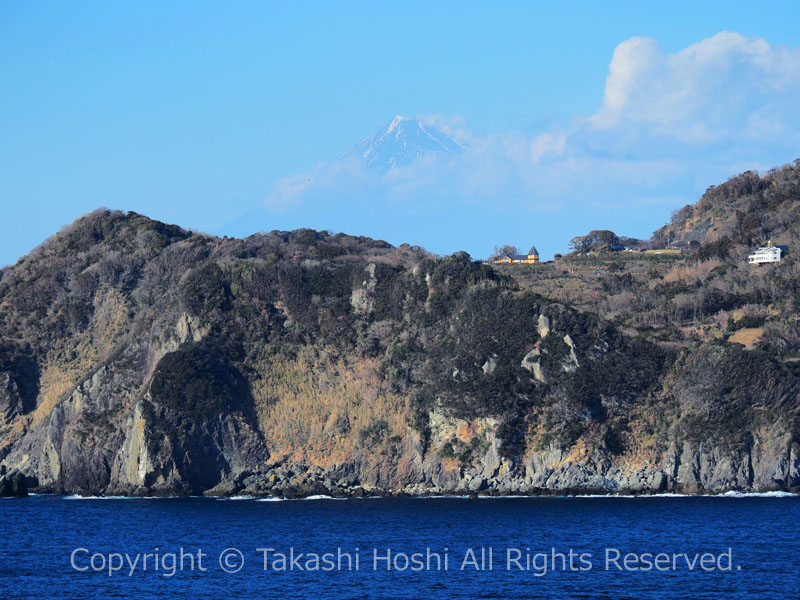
(531,362)
(571,363)
(12,485)
(362,299)
(543,326)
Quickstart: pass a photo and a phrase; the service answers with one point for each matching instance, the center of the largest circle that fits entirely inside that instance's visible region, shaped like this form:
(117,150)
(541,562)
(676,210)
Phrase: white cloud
(704,94)
(289,190)
(631,59)
(454,126)
(547,144)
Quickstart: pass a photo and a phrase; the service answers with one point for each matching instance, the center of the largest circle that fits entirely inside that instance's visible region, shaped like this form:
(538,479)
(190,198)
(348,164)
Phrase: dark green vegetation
(121,330)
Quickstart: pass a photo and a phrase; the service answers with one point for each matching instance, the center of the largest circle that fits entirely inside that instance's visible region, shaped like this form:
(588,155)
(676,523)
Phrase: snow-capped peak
(400,142)
(396,123)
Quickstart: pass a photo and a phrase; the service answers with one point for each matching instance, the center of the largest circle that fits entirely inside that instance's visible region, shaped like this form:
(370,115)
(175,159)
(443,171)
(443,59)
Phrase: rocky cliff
(138,358)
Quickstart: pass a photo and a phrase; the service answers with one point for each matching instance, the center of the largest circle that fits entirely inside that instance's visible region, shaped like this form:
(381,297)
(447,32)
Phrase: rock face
(571,363)
(13,485)
(137,358)
(362,299)
(543,326)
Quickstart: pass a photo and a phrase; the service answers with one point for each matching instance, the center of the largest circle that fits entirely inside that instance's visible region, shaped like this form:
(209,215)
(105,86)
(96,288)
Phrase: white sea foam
(443,497)
(775,494)
(79,497)
(504,497)
(315,497)
(624,496)
(321,497)
(731,494)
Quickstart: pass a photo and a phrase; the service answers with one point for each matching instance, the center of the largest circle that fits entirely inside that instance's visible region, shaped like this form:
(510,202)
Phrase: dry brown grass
(698,271)
(747,337)
(313,408)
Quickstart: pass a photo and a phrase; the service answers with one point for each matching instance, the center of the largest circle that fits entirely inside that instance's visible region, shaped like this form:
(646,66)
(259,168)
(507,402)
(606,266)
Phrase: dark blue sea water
(712,547)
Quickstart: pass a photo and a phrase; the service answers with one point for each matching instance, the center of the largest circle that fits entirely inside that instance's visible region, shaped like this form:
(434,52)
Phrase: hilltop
(138,357)
(707,291)
(744,211)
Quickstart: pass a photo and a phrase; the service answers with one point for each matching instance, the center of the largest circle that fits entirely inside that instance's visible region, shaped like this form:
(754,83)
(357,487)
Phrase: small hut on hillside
(531,258)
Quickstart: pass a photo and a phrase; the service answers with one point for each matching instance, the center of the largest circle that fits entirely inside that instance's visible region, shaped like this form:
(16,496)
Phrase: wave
(775,494)
(624,496)
(456,497)
(730,494)
(321,497)
(245,497)
(314,497)
(79,497)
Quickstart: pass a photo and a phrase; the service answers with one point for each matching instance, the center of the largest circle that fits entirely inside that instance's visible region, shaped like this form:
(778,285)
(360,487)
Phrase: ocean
(731,546)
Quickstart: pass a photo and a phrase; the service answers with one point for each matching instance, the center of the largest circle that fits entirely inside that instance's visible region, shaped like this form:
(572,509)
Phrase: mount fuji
(403,158)
(399,143)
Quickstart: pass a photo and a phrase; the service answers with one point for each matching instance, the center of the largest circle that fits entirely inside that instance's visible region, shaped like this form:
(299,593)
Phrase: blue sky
(579,115)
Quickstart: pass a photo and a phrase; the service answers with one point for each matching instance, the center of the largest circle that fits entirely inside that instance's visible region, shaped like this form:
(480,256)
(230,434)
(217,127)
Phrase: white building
(766,254)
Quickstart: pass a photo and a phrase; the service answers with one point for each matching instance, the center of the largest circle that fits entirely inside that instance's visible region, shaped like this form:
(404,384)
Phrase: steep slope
(141,358)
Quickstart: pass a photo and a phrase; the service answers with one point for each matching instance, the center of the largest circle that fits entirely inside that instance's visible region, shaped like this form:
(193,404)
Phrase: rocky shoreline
(361,493)
(690,471)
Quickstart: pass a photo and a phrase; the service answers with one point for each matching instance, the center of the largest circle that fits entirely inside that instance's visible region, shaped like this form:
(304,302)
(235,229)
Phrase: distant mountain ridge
(399,143)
